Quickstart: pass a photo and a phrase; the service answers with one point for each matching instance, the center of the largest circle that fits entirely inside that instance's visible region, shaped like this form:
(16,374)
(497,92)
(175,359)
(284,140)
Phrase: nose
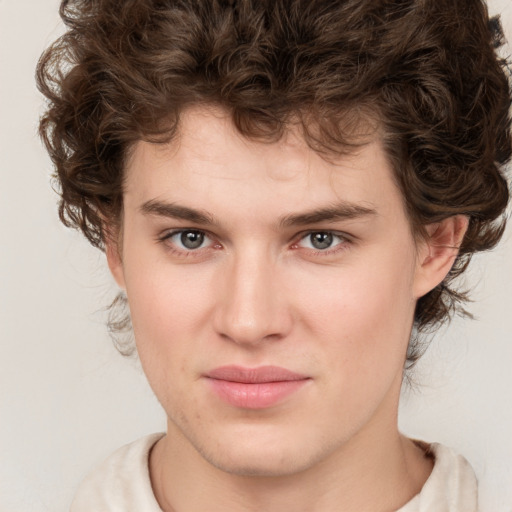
(252,305)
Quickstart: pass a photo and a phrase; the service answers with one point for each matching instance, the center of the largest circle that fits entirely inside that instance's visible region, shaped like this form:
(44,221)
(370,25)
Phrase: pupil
(321,240)
(192,239)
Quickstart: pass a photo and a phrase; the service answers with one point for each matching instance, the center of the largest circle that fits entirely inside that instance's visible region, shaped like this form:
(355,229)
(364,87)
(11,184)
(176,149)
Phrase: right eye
(187,240)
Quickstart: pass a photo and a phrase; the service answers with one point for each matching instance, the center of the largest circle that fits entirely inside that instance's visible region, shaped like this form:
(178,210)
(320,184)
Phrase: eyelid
(167,235)
(340,234)
(345,240)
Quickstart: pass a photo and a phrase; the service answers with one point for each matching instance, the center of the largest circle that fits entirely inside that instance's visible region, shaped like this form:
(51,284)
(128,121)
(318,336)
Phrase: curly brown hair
(427,70)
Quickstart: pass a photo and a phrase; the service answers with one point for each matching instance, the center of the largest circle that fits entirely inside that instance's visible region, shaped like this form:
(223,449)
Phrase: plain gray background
(68,399)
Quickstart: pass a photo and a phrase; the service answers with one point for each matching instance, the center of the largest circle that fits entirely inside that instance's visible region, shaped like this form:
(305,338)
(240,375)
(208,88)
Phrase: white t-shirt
(122,483)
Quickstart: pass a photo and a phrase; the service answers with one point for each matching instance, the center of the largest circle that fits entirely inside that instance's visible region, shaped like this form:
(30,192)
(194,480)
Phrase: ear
(437,253)
(114,260)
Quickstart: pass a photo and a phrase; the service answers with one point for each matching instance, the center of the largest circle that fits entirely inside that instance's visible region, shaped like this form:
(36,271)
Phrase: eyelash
(343,245)
(164,239)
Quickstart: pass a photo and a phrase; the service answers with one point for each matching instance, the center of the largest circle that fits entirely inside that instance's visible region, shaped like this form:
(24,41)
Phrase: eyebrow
(339,211)
(175,211)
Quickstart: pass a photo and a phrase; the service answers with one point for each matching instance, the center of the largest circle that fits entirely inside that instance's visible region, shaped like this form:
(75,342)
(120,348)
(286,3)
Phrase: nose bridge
(252,308)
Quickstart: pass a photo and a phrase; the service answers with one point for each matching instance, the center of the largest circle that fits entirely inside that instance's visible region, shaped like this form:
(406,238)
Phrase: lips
(254,388)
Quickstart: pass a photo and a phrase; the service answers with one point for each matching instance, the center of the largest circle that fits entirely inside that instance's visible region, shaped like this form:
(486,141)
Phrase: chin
(260,465)
(261,457)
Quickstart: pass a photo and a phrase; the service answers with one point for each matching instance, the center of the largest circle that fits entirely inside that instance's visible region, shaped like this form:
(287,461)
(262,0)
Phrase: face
(271,293)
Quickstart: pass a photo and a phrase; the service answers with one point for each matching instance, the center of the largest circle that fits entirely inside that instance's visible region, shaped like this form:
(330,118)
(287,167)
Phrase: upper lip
(254,375)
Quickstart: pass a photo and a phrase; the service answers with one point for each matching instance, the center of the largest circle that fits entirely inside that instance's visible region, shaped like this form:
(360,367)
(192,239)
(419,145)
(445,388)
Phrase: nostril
(252,327)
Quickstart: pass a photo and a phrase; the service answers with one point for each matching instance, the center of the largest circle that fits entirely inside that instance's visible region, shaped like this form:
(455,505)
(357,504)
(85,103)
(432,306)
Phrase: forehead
(210,164)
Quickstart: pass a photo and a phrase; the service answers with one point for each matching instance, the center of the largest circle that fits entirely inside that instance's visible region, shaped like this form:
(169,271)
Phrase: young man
(284,191)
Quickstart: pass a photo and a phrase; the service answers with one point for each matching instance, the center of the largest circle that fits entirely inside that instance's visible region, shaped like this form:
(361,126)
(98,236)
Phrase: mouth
(254,388)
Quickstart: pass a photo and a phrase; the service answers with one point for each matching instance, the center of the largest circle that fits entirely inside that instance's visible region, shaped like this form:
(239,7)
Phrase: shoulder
(121,482)
(451,487)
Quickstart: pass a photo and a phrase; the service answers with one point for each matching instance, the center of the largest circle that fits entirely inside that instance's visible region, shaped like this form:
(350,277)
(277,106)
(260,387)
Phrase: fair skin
(248,254)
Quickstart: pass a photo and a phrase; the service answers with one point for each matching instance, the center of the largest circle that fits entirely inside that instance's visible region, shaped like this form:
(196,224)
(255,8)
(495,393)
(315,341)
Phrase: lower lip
(255,396)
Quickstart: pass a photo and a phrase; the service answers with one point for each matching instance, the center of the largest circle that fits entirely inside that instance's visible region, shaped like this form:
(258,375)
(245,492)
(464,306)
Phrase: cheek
(363,311)
(361,324)
(167,306)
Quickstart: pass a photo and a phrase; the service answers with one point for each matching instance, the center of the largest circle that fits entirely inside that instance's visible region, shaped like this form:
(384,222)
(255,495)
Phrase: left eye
(189,239)
(321,240)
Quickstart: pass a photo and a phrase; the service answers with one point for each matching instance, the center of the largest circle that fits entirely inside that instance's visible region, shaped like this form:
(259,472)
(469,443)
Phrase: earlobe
(114,260)
(438,252)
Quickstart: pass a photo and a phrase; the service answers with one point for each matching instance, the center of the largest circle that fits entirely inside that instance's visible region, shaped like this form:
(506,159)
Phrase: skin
(257,292)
